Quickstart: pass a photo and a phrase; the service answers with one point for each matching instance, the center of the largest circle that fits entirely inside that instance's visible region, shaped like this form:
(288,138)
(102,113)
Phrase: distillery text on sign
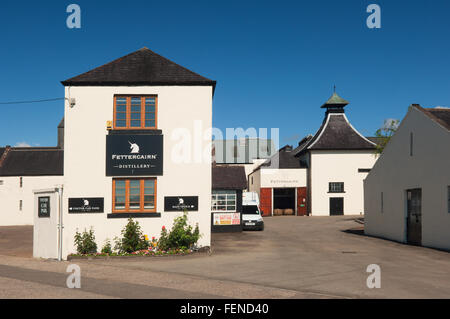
(128,155)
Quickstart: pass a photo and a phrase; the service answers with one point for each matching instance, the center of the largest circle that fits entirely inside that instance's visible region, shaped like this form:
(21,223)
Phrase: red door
(265,203)
(301,201)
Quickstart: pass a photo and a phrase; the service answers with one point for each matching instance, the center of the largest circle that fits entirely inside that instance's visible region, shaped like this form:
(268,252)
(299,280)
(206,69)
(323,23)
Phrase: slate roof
(302,144)
(142,67)
(284,158)
(336,133)
(375,139)
(440,115)
(228,177)
(33,161)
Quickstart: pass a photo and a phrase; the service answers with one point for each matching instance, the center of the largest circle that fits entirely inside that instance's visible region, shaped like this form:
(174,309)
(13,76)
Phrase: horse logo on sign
(134,148)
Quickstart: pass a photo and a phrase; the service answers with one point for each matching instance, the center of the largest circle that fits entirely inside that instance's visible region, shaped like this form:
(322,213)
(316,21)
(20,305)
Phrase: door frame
(407,214)
(329,204)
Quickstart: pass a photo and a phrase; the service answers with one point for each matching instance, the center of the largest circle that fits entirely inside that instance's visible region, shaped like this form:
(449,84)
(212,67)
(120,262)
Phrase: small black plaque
(44,206)
(86,205)
(180,203)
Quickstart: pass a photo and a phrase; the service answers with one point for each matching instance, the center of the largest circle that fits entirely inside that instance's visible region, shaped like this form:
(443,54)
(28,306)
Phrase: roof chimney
(61,134)
(5,153)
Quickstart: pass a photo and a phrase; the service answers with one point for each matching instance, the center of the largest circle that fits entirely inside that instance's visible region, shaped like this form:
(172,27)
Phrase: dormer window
(135,112)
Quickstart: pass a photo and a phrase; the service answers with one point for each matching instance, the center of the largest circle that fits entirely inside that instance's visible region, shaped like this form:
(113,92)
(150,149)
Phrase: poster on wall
(86,205)
(227,219)
(44,206)
(180,203)
(128,155)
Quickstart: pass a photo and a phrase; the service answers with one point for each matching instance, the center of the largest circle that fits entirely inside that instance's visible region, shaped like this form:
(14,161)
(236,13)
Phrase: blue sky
(275,61)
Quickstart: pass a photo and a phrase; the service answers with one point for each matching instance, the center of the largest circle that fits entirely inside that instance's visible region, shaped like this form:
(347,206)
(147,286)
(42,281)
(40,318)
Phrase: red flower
(164,227)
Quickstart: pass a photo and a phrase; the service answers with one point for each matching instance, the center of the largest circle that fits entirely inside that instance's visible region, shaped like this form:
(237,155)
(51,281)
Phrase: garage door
(266,201)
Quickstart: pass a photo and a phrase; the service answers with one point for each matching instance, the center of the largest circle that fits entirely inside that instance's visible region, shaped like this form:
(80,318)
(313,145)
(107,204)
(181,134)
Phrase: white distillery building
(124,156)
(323,175)
(23,169)
(407,193)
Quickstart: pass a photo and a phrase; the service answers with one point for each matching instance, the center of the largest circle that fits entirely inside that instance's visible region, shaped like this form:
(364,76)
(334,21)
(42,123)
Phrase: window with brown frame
(134,195)
(135,112)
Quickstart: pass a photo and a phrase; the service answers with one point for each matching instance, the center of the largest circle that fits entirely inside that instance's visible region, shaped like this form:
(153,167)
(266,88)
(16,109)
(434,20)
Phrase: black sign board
(44,206)
(128,155)
(180,203)
(86,205)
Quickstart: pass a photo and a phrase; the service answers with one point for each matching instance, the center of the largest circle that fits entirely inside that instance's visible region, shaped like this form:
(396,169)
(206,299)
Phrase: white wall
(85,152)
(396,171)
(256,185)
(11,193)
(284,177)
(277,178)
(339,166)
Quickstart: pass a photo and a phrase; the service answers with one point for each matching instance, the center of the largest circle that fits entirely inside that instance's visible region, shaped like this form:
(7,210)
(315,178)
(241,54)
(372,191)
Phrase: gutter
(59,190)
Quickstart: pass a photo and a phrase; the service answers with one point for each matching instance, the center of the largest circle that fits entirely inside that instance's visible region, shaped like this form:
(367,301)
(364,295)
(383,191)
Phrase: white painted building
(23,169)
(324,174)
(281,184)
(134,143)
(407,193)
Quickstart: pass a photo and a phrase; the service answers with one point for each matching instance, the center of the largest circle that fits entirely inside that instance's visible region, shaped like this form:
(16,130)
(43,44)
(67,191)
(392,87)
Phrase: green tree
(132,238)
(181,235)
(85,242)
(385,133)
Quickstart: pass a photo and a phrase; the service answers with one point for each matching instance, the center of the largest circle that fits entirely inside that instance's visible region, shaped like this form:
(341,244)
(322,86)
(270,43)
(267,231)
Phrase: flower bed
(181,240)
(144,253)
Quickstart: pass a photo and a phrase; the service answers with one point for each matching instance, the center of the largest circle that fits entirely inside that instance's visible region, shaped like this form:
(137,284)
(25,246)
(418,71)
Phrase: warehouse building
(23,169)
(246,151)
(407,193)
(323,175)
(228,183)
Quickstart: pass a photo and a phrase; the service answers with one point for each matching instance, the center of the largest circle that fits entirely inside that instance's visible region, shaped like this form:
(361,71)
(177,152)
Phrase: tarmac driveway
(16,241)
(315,256)
(294,257)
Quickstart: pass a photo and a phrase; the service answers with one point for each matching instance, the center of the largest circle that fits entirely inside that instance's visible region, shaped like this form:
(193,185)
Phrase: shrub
(181,235)
(107,249)
(85,242)
(132,238)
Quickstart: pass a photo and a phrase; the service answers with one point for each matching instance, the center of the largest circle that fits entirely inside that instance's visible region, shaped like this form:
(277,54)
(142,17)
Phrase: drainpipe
(59,189)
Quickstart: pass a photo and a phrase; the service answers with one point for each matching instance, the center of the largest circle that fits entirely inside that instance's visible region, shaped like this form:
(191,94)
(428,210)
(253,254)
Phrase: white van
(251,214)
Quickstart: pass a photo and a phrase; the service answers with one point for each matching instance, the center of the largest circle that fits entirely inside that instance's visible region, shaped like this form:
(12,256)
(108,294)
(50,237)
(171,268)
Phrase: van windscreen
(250,209)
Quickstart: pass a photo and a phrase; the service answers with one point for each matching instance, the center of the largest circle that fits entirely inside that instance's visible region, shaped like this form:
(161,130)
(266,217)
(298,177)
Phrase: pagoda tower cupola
(335,104)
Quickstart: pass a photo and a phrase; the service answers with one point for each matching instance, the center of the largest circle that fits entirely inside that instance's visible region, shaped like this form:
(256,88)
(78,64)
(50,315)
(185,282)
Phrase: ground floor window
(223,201)
(134,195)
(336,187)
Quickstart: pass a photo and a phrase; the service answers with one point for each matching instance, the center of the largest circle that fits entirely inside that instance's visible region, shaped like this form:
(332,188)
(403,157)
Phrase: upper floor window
(336,187)
(411,143)
(135,112)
